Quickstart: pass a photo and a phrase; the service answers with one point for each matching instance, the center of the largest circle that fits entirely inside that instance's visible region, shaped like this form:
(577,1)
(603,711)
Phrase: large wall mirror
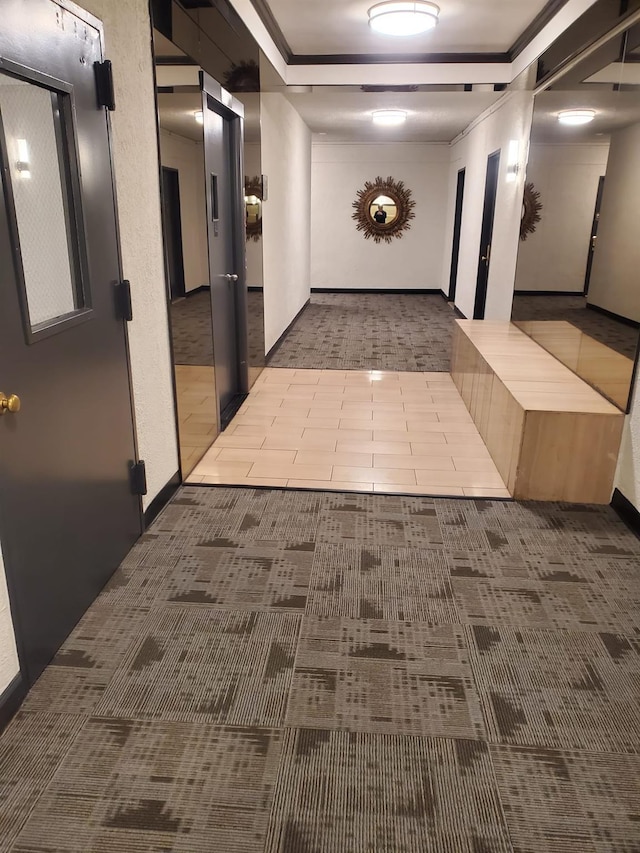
(577,290)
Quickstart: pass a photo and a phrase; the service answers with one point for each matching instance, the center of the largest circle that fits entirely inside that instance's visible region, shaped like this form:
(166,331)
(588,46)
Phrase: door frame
(175,238)
(231,110)
(486,234)
(17,689)
(457,232)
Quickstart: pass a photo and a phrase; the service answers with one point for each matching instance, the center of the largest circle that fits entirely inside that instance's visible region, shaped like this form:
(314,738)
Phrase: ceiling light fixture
(389,117)
(395,18)
(199,116)
(575,117)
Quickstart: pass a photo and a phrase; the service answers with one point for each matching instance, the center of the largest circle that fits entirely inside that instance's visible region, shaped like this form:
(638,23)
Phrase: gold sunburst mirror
(383,209)
(531,207)
(253,207)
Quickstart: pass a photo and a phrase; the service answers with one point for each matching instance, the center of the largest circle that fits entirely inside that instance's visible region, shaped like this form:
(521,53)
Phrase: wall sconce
(23,165)
(513,160)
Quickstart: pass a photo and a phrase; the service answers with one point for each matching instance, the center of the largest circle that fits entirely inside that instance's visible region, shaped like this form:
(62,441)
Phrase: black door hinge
(123,300)
(104,84)
(138,473)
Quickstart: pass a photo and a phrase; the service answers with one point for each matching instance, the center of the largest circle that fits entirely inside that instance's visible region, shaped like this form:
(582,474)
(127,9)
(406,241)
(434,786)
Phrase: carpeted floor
(303,672)
(362,331)
(573,309)
(192,332)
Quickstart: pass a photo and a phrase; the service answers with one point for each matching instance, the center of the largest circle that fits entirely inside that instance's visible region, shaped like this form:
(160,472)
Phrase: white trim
(405,74)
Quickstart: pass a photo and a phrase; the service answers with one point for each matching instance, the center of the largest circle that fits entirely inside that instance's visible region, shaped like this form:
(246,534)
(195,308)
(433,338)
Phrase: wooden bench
(551,436)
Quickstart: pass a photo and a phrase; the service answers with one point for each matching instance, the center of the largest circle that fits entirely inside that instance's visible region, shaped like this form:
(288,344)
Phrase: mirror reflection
(383,210)
(253,209)
(577,291)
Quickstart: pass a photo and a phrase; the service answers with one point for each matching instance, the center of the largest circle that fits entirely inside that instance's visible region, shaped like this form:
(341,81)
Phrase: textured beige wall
(9,666)
(135,154)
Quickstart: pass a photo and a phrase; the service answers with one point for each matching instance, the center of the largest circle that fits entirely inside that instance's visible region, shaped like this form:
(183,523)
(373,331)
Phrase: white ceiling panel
(432,116)
(614,111)
(341,26)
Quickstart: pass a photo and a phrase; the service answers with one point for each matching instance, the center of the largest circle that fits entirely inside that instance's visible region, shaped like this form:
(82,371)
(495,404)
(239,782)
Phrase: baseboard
(385,291)
(161,500)
(548,293)
(195,290)
(11,699)
(458,313)
(627,511)
(612,316)
(253,289)
(278,343)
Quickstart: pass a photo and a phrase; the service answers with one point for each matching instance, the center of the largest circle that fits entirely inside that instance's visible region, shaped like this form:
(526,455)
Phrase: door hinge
(123,299)
(104,84)
(138,473)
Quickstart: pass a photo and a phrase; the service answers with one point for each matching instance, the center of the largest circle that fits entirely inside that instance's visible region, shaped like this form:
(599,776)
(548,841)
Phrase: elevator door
(226,240)
(67,512)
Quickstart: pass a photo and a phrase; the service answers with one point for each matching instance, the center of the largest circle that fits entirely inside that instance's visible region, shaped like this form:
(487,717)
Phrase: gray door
(67,512)
(226,238)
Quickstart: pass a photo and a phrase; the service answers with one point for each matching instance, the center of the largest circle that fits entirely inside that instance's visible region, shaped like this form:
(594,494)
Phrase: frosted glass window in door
(39,173)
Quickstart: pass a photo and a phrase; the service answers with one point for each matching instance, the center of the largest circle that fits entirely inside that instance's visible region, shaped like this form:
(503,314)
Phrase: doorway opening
(457,229)
(594,235)
(488,215)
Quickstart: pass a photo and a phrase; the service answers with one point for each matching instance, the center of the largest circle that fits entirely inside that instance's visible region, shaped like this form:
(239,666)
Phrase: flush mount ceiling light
(576,117)
(199,117)
(395,18)
(389,117)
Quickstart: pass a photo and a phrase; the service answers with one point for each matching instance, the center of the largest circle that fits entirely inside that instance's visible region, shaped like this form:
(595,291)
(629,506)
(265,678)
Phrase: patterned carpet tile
(378,582)
(32,748)
(532,604)
(569,801)
(380,520)
(77,677)
(385,677)
(568,690)
(131,785)
(357,793)
(209,515)
(363,331)
(252,575)
(198,664)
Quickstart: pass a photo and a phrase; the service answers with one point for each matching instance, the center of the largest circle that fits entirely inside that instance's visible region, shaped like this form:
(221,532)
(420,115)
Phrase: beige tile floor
(367,431)
(197,413)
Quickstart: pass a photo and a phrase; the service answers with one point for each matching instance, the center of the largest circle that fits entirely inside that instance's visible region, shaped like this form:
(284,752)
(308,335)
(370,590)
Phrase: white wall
(509,119)
(340,255)
(9,665)
(554,257)
(615,283)
(286,231)
(187,156)
(252,168)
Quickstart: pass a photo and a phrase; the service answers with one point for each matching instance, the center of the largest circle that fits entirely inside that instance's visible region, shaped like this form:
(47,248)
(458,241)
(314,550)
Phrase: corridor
(286,671)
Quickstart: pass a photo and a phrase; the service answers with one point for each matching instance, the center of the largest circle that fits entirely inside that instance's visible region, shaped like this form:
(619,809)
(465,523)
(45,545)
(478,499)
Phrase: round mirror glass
(253,209)
(383,210)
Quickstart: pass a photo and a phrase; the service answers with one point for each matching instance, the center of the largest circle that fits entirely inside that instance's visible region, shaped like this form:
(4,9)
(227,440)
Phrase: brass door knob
(9,404)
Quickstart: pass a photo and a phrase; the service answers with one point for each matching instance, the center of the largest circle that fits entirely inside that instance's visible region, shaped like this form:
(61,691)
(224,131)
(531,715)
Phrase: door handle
(487,257)
(9,404)
(231,278)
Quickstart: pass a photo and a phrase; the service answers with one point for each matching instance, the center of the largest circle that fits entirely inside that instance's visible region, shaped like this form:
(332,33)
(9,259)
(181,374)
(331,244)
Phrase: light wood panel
(551,436)
(599,365)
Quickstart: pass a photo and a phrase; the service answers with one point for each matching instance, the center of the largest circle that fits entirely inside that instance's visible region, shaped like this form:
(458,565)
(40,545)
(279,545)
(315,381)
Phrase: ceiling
(615,110)
(176,114)
(346,116)
(341,27)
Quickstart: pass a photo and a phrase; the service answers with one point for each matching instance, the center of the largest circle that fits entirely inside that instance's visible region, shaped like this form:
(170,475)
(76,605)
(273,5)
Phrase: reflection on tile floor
(197,412)
(365,431)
